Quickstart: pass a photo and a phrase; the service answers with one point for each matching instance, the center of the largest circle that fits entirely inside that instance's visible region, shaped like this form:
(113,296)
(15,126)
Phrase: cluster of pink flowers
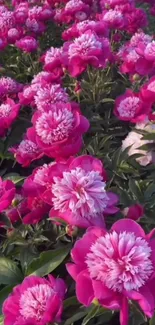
(109,267)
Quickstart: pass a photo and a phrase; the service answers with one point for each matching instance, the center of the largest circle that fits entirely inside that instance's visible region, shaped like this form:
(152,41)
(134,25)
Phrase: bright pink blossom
(75,10)
(35,301)
(8,113)
(27,151)
(9,86)
(7,193)
(88,49)
(99,27)
(52,62)
(148,91)
(115,267)
(114,19)
(50,94)
(59,130)
(131,107)
(27,44)
(76,190)
(134,212)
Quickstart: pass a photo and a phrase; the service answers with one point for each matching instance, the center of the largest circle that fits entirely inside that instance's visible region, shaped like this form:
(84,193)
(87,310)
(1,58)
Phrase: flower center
(5,110)
(55,125)
(128,106)
(34,300)
(83,44)
(81,192)
(27,146)
(120,261)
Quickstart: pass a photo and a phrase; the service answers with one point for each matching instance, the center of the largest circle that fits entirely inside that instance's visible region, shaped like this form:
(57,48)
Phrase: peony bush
(77,162)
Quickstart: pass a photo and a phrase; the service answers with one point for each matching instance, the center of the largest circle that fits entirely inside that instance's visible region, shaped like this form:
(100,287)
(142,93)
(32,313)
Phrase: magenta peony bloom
(88,49)
(52,62)
(131,107)
(7,193)
(8,114)
(136,19)
(75,10)
(26,152)
(114,19)
(148,91)
(134,212)
(27,44)
(50,94)
(99,27)
(115,267)
(59,130)
(36,301)
(75,189)
(14,34)
(9,86)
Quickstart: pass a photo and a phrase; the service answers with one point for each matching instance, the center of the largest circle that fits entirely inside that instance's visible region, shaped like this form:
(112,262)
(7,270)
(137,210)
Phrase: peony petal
(74,270)
(128,225)
(84,289)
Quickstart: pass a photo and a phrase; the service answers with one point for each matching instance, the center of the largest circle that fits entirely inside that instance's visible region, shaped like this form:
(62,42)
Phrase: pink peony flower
(75,10)
(7,193)
(8,114)
(87,49)
(75,189)
(148,91)
(114,19)
(115,267)
(9,86)
(36,210)
(58,131)
(99,27)
(52,62)
(35,301)
(27,151)
(134,212)
(14,34)
(50,94)
(131,107)
(135,20)
(27,44)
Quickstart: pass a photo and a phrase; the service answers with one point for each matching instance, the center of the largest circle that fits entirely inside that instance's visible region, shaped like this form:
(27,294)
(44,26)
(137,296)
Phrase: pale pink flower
(134,141)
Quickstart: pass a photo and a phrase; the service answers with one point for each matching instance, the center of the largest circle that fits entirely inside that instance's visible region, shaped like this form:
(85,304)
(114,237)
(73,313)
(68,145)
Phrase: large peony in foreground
(36,301)
(114,267)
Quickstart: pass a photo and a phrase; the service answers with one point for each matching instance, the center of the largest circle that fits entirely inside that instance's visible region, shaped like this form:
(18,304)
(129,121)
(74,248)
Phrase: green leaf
(47,261)
(72,301)
(136,190)
(94,310)
(9,272)
(149,136)
(75,317)
(1,320)
(14,177)
(4,294)
(152,321)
